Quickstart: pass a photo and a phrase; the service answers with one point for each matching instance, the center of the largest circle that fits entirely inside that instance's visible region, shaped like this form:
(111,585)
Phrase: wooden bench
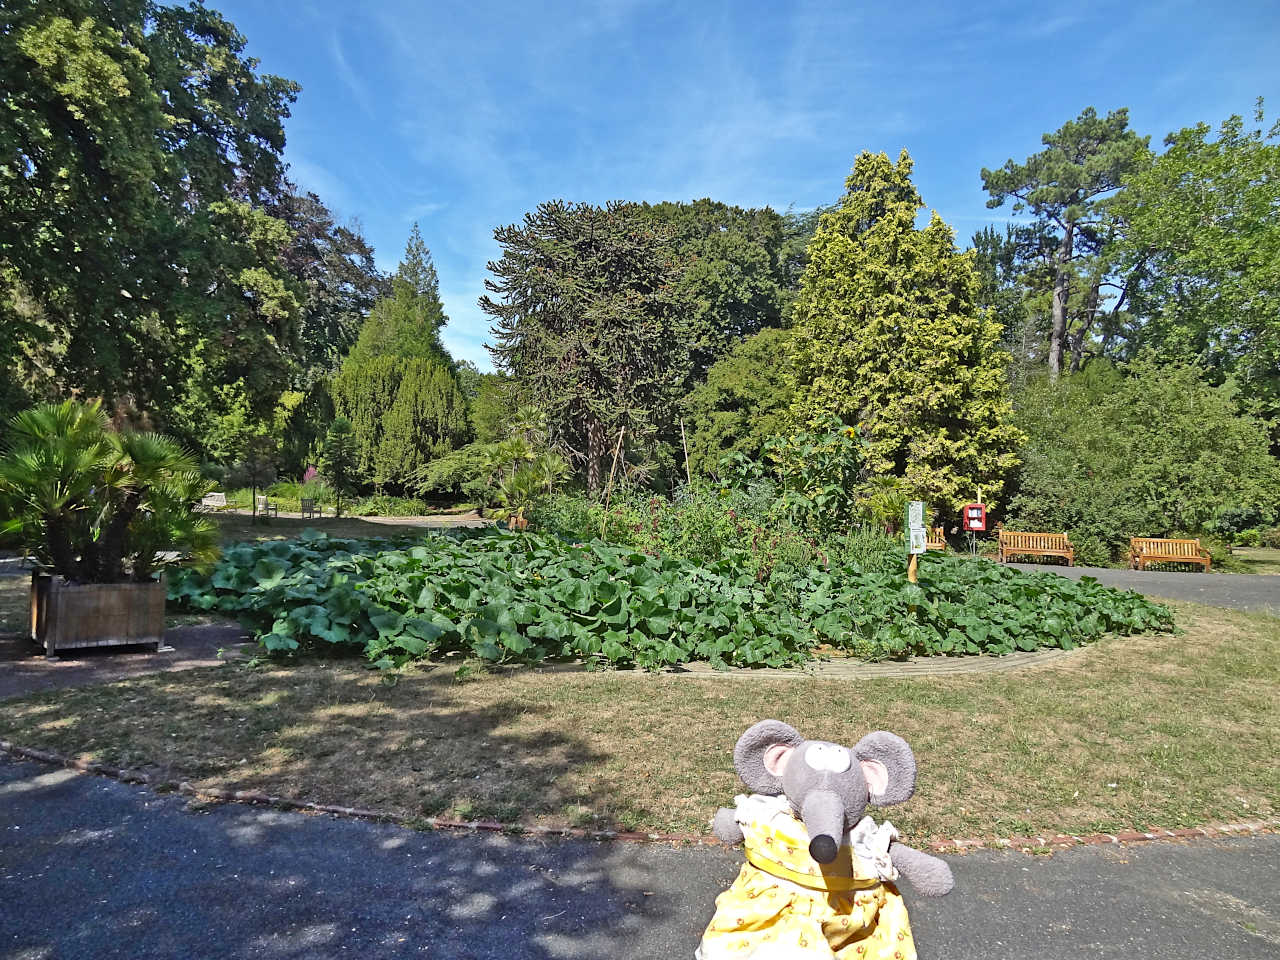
(308,509)
(1036,545)
(935,538)
(1145,550)
(266,507)
(214,501)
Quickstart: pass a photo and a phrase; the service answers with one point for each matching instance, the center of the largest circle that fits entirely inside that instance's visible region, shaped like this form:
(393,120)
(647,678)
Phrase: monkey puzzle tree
(586,307)
(888,337)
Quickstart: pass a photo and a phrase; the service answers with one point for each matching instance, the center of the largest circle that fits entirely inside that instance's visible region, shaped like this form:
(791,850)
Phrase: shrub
(1249,538)
(99,506)
(383,505)
(1154,449)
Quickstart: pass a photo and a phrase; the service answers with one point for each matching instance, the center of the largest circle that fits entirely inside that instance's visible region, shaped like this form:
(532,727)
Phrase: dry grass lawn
(240,526)
(1133,733)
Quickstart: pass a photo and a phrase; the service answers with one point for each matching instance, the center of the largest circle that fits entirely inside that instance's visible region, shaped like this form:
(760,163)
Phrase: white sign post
(917,541)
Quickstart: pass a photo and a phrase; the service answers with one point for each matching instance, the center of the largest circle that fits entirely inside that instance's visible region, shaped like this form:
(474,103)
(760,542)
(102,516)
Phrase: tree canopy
(1066,187)
(1202,242)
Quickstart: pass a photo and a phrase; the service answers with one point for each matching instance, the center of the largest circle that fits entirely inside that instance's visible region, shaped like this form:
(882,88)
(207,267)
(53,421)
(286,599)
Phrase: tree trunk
(1082,335)
(1061,289)
(595,450)
(61,551)
(111,545)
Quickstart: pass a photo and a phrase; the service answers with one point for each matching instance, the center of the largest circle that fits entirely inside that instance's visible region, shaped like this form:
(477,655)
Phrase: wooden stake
(685,443)
(911,567)
(608,490)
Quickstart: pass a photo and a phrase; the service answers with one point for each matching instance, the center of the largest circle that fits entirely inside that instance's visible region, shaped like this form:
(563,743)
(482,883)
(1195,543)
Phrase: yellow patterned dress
(785,905)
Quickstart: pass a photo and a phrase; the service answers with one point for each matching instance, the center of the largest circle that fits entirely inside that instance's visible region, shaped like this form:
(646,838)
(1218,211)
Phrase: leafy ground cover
(526,598)
(1128,733)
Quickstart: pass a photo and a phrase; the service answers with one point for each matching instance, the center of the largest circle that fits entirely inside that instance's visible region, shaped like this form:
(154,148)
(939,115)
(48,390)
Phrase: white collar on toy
(869,840)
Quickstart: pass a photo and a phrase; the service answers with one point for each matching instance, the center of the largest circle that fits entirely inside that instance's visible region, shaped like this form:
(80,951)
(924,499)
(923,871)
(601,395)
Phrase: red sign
(974,517)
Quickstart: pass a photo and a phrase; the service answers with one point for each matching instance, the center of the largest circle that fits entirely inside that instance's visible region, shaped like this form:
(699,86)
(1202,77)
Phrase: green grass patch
(1132,733)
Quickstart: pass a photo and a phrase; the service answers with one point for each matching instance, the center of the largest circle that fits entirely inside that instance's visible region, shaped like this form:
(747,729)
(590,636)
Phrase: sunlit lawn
(1262,560)
(1133,733)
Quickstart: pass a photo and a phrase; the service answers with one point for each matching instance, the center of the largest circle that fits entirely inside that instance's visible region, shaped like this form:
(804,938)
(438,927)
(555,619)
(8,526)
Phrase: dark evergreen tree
(733,281)
(589,321)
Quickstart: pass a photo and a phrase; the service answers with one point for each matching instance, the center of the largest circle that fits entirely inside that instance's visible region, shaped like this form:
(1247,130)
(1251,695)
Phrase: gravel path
(92,868)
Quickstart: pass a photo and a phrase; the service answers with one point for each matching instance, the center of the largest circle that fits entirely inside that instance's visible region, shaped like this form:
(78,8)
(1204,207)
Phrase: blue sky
(465,115)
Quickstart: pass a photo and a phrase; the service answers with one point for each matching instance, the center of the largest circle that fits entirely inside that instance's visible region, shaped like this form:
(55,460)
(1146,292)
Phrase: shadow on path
(92,868)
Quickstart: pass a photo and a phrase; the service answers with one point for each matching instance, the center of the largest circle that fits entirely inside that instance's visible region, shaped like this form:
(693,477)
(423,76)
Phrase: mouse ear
(889,766)
(762,754)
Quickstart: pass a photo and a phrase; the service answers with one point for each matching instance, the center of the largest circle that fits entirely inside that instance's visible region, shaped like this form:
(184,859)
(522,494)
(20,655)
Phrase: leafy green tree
(491,401)
(588,319)
(798,228)
(888,337)
(733,278)
(1203,241)
(745,400)
(1149,451)
(335,267)
(338,460)
(1066,187)
(158,109)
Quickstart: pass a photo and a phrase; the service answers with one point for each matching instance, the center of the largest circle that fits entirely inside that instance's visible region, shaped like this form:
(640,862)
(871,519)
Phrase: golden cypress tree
(888,337)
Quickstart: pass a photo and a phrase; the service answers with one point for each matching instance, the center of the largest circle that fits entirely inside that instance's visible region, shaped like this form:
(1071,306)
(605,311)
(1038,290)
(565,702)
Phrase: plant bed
(76,615)
(526,598)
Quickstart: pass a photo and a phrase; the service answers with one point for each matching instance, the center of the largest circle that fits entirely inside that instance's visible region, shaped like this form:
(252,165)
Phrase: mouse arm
(726,827)
(929,876)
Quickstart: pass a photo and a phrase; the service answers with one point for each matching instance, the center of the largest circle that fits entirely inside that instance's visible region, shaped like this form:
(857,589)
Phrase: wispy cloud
(349,77)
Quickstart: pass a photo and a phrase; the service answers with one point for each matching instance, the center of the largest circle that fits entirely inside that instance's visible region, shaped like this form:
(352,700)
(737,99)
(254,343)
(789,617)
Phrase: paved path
(1240,591)
(92,868)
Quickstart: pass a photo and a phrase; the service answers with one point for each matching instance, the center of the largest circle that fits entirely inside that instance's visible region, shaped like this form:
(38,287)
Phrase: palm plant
(97,506)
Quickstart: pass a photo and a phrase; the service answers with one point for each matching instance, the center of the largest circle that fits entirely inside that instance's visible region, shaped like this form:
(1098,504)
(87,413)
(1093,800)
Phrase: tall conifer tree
(587,311)
(888,337)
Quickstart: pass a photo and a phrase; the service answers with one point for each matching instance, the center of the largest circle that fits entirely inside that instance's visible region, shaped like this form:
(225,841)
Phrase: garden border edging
(1028,845)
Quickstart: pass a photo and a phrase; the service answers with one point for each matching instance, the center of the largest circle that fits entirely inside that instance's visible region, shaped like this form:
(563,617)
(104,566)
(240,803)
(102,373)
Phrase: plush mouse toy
(819,877)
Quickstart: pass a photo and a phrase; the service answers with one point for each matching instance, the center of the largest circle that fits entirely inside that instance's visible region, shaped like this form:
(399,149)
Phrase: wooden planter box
(68,615)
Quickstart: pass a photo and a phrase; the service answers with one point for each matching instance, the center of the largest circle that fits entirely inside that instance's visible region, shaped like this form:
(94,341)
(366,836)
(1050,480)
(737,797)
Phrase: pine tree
(888,337)
(338,459)
(408,322)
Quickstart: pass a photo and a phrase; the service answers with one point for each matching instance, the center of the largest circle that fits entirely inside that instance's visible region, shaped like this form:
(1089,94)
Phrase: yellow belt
(818,882)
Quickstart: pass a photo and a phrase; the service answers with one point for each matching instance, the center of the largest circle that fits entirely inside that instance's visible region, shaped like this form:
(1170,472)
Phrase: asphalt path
(1239,591)
(92,868)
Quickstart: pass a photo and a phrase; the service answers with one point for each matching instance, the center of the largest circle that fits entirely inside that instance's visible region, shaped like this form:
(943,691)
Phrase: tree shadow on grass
(334,733)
